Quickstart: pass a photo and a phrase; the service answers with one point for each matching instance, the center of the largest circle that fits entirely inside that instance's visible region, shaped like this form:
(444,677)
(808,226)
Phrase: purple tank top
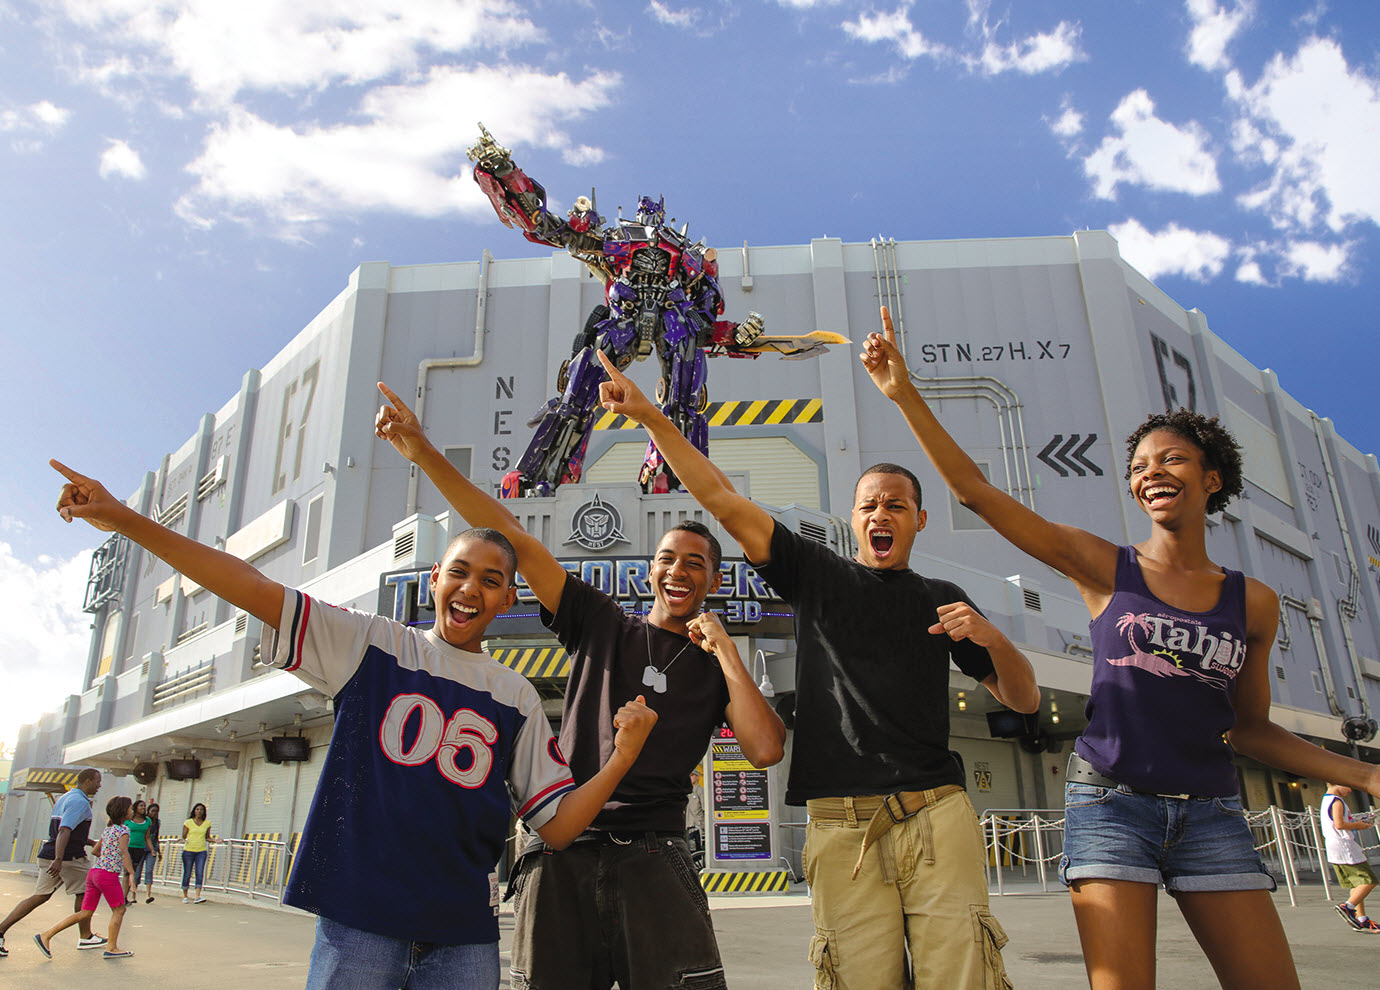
(1162,687)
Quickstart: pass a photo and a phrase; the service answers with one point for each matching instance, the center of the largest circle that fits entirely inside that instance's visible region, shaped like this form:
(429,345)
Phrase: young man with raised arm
(894,855)
(623,903)
(432,735)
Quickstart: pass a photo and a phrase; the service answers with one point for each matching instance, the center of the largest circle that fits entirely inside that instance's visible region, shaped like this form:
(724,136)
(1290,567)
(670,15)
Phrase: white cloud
(44,636)
(1315,262)
(1316,123)
(223,49)
(1173,250)
(406,156)
(1069,123)
(119,159)
(1044,52)
(1151,152)
(49,117)
(685,18)
(1250,273)
(896,29)
(30,125)
(1214,27)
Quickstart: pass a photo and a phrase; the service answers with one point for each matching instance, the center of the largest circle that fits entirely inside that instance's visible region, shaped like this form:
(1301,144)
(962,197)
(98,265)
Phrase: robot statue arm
(520,201)
(731,336)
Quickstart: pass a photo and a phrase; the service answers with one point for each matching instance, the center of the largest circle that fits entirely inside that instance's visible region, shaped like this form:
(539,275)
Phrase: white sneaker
(199,900)
(94,942)
(186,900)
(3,951)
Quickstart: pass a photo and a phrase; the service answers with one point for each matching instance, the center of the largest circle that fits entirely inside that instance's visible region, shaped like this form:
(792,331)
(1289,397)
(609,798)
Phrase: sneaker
(1368,926)
(38,941)
(122,954)
(199,900)
(94,942)
(1349,913)
(3,951)
(150,899)
(186,900)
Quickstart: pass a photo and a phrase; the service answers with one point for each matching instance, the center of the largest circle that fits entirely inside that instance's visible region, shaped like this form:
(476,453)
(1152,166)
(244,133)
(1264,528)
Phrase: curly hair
(1221,452)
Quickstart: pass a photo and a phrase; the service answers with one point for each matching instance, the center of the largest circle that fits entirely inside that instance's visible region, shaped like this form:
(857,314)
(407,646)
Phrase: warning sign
(740,800)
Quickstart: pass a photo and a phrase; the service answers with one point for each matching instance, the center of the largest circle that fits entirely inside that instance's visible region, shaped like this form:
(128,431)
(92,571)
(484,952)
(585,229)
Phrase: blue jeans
(193,863)
(143,873)
(1187,844)
(345,958)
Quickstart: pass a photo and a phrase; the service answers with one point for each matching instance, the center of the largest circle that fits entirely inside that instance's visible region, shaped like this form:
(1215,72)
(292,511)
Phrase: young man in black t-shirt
(623,902)
(894,855)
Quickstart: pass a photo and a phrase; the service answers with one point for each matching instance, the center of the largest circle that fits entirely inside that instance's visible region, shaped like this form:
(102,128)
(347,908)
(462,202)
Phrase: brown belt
(889,810)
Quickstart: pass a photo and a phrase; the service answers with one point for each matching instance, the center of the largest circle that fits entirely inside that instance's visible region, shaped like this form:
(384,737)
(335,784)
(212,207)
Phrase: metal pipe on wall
(425,367)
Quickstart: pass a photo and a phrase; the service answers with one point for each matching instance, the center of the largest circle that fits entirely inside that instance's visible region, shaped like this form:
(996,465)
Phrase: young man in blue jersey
(623,903)
(893,853)
(431,735)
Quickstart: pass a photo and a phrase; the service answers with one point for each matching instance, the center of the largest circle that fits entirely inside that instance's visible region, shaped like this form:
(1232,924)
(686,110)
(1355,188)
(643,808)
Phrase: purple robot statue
(661,293)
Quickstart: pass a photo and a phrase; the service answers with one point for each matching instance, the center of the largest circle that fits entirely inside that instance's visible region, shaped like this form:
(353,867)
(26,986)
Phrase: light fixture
(224,724)
(297,720)
(1054,712)
(764,685)
(233,734)
(962,701)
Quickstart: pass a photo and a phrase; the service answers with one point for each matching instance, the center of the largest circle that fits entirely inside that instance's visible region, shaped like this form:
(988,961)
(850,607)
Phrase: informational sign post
(740,803)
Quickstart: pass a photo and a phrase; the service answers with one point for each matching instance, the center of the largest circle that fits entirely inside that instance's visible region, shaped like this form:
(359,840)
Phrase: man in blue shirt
(62,859)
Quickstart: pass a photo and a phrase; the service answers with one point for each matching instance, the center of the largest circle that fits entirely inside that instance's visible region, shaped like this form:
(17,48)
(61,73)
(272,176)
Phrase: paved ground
(241,946)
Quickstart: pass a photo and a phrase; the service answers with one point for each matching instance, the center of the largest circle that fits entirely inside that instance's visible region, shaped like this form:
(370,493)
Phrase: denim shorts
(1187,844)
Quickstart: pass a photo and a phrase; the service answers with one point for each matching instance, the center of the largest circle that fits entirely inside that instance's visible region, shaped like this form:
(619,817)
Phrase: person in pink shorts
(105,879)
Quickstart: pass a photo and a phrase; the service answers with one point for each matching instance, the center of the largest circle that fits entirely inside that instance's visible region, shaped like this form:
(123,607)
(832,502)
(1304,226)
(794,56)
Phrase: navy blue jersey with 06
(434,748)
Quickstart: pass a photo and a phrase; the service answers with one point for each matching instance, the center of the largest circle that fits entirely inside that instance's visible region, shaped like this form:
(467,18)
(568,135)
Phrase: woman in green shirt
(138,825)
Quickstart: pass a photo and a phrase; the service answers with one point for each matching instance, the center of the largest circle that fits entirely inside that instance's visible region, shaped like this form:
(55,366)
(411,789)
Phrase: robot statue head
(650,212)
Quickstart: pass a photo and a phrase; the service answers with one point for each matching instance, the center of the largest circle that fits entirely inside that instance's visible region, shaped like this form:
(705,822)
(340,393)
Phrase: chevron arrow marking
(1083,449)
(1063,454)
(1049,447)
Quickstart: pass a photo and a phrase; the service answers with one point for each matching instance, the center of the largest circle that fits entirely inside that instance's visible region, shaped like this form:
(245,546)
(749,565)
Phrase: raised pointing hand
(619,395)
(84,498)
(882,359)
(399,425)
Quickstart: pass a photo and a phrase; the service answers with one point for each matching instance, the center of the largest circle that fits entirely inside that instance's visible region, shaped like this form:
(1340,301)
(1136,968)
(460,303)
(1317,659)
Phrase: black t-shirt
(608,656)
(872,683)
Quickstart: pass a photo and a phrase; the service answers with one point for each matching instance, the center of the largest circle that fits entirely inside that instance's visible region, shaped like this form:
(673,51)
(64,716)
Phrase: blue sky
(185,183)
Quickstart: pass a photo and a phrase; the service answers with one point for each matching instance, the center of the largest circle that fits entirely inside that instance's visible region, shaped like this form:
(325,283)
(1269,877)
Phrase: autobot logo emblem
(596,526)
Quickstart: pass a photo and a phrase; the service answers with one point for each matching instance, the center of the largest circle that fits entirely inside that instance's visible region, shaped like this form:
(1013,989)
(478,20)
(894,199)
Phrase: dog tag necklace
(651,677)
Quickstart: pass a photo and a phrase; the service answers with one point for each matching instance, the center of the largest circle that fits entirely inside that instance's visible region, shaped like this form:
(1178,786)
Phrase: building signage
(744,599)
(740,802)
(596,525)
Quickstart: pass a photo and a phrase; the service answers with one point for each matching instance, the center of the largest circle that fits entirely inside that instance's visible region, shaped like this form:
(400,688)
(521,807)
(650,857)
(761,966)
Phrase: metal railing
(1031,840)
(254,867)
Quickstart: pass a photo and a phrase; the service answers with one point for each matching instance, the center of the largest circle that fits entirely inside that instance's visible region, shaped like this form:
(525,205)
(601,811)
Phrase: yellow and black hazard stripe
(267,867)
(755,882)
(54,779)
(739,412)
(535,662)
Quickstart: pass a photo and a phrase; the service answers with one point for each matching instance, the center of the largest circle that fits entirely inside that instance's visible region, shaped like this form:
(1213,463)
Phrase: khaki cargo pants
(921,886)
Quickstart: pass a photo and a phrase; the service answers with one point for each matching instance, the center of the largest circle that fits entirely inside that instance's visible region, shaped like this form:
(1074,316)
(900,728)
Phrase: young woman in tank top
(1181,658)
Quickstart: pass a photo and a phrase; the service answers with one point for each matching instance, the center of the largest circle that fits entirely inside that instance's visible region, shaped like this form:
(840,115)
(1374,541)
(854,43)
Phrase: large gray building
(1039,354)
